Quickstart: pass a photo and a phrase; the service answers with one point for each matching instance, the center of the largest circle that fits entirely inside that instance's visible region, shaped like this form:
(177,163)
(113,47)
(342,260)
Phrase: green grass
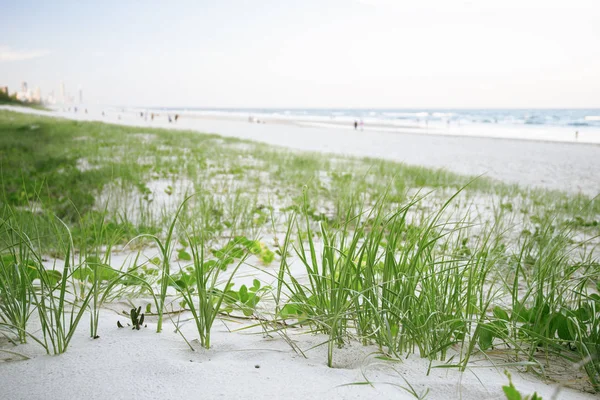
(411,259)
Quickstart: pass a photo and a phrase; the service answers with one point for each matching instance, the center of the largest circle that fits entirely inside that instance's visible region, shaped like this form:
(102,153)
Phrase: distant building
(24,94)
(37,95)
(50,98)
(63,94)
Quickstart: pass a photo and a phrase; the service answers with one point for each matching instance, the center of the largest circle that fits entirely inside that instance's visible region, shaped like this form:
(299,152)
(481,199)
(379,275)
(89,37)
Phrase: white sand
(125,364)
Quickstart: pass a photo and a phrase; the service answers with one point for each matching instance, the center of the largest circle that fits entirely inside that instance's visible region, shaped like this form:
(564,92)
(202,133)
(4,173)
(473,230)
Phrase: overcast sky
(311,53)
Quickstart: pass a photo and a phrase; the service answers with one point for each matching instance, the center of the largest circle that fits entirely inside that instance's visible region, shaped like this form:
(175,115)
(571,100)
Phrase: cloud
(8,54)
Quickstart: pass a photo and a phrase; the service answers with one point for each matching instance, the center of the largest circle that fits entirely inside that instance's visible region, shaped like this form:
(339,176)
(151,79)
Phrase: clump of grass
(17,272)
(325,301)
(202,296)
(59,311)
(166,251)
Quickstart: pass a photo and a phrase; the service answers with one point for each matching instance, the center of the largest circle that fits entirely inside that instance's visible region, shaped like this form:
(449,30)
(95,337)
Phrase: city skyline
(51,97)
(346,54)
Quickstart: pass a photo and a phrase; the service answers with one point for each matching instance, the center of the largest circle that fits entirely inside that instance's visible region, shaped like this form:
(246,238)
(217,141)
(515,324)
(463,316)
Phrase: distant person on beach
(152,117)
(103,113)
(168,116)
(576,135)
(176,117)
(355,124)
(362,124)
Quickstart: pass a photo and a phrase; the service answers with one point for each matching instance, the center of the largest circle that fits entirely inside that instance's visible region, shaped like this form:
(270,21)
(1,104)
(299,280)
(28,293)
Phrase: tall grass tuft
(202,294)
(166,250)
(17,271)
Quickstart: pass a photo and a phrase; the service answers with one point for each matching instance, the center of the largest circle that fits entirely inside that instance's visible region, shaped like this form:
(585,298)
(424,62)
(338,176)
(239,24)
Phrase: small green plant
(137,319)
(16,277)
(512,393)
(244,299)
(199,291)
(53,305)
(166,250)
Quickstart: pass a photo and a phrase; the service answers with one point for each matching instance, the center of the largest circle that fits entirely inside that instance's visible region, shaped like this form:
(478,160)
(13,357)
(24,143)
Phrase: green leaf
(227,309)
(289,310)
(254,247)
(248,311)
(562,325)
(156,261)
(500,328)
(486,336)
(93,260)
(243,293)
(253,301)
(584,313)
(180,284)
(103,272)
(53,277)
(523,314)
(184,255)
(501,313)
(511,392)
(229,286)
(32,272)
(267,256)
(82,273)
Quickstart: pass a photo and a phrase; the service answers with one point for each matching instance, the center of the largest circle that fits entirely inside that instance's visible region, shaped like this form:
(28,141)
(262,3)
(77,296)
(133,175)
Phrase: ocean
(563,125)
(573,118)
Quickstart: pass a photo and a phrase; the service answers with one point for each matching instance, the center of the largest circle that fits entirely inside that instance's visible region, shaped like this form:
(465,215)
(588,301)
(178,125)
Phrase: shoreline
(309,124)
(484,131)
(589,136)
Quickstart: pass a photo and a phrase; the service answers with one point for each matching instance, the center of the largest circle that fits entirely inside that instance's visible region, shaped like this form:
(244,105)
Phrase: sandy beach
(243,363)
(247,360)
(357,199)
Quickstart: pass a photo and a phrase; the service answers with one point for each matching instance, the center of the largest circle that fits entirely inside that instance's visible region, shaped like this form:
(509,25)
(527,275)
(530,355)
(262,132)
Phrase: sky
(311,53)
